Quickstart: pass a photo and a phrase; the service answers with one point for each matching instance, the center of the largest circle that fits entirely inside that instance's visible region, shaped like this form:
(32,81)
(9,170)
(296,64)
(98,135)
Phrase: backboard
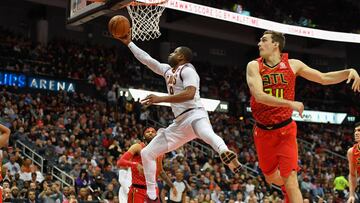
(82,11)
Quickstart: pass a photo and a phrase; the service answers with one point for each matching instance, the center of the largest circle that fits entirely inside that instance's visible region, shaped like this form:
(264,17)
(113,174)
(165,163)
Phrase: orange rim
(136,3)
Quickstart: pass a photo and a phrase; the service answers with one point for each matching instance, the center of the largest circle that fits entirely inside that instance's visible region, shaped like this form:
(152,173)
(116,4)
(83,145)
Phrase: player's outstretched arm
(5,135)
(143,57)
(352,176)
(183,96)
(328,78)
(126,159)
(255,84)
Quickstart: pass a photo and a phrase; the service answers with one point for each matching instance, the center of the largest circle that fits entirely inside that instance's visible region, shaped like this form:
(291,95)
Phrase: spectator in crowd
(181,189)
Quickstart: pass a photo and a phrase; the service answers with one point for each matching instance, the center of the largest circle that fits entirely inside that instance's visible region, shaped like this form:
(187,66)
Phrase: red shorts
(277,149)
(137,195)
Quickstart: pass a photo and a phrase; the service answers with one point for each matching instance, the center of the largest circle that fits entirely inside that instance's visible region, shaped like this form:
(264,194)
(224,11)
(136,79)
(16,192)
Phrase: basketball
(119,26)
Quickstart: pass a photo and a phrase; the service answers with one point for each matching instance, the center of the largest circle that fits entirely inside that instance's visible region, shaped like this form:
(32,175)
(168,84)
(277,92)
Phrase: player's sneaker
(148,200)
(230,159)
(286,196)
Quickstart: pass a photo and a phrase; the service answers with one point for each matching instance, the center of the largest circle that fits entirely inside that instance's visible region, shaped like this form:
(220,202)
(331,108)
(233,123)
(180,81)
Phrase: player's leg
(288,162)
(204,130)
(265,145)
(166,140)
(275,178)
(292,188)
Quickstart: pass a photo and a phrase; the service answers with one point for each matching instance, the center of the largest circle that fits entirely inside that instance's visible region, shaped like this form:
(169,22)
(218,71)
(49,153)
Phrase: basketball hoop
(145,18)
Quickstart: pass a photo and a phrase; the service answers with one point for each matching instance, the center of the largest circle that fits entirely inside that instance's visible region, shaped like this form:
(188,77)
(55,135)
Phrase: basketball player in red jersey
(353,155)
(4,139)
(132,159)
(271,79)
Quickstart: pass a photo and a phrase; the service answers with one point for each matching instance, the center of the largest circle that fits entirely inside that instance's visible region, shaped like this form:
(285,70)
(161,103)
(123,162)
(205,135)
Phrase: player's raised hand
(297,106)
(353,75)
(151,99)
(126,39)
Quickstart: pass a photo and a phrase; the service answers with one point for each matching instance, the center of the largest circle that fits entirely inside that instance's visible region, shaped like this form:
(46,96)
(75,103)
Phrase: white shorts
(181,131)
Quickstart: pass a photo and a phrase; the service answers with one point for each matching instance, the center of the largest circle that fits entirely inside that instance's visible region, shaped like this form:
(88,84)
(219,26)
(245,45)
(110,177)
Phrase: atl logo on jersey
(273,79)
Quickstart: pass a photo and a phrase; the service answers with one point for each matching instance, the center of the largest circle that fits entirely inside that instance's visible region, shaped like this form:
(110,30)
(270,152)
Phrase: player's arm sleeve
(190,78)
(126,159)
(146,59)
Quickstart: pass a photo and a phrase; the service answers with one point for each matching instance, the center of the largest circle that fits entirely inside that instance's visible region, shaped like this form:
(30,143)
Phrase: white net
(145,18)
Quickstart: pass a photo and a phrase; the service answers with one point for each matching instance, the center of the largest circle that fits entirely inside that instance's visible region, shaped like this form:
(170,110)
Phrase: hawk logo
(282,65)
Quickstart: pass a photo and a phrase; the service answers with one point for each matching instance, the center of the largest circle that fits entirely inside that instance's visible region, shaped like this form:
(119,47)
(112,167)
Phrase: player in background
(353,155)
(191,119)
(125,183)
(132,159)
(271,79)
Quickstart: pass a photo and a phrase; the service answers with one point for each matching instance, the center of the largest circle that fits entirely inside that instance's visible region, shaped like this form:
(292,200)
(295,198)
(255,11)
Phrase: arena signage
(234,17)
(52,85)
(320,117)
(22,81)
(317,116)
(12,79)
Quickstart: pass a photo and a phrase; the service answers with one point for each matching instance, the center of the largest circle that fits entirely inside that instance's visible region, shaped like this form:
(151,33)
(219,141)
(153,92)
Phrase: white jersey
(184,76)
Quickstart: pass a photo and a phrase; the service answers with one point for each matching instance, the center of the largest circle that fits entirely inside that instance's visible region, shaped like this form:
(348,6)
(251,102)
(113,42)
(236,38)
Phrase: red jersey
(279,82)
(137,178)
(356,157)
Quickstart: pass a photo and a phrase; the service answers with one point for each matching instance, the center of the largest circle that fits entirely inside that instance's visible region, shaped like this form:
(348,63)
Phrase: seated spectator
(19,182)
(108,174)
(15,192)
(83,180)
(25,167)
(12,165)
(83,194)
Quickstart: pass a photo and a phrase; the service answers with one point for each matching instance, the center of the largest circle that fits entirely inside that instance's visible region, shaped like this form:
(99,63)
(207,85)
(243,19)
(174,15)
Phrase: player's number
(278,93)
(171,83)
(171,90)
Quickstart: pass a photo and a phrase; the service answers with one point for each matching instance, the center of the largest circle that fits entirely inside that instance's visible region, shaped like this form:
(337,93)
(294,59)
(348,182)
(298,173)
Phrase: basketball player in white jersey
(125,182)
(191,119)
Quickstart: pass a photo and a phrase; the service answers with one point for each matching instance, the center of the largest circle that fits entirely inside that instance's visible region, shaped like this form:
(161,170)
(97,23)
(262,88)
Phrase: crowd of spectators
(85,139)
(84,136)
